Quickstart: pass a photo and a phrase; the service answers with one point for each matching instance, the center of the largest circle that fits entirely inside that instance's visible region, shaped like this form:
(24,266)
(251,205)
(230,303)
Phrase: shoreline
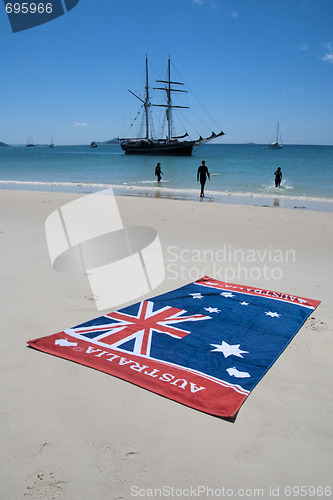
(274,200)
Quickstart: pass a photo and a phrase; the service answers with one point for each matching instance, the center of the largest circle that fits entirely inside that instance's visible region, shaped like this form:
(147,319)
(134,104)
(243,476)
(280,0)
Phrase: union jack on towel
(205,345)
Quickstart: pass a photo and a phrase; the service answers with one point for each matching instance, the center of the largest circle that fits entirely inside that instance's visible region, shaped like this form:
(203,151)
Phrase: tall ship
(170,144)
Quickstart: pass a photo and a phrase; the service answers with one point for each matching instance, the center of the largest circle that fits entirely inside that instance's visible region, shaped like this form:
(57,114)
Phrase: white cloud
(303,46)
(80,124)
(233,14)
(329,46)
(328,57)
(211,4)
(294,91)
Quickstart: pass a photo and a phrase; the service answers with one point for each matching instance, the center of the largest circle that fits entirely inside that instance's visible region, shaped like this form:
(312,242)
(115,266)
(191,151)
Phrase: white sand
(74,433)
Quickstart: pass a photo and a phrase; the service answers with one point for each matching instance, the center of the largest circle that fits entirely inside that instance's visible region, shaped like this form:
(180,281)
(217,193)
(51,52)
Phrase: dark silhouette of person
(202,176)
(158,172)
(278,177)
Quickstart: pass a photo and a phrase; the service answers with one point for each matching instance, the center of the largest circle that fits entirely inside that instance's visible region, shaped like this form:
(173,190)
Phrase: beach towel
(205,345)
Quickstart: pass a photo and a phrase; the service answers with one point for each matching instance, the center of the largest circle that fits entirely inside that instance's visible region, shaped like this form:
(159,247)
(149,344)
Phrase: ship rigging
(170,144)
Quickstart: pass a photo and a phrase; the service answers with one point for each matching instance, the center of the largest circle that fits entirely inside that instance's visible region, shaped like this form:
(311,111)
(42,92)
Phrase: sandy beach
(74,433)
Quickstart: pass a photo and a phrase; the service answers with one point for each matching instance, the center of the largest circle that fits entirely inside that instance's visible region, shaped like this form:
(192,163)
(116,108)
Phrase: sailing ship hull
(157,148)
(275,145)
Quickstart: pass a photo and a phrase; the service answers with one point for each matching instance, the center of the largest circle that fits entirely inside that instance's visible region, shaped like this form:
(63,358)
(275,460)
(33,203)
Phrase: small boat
(170,144)
(276,144)
(30,143)
(51,144)
(93,144)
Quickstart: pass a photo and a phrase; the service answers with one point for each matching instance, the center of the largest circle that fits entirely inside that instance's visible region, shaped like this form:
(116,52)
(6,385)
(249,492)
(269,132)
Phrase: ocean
(239,173)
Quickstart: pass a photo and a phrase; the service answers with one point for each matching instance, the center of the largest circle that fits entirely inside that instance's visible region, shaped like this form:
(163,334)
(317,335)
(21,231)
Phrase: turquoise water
(239,173)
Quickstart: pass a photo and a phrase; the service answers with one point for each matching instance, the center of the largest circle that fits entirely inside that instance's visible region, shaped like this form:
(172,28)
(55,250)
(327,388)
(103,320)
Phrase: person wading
(202,176)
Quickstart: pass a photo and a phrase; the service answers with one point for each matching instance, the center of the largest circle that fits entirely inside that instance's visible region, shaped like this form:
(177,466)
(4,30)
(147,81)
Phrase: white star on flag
(272,314)
(212,309)
(196,295)
(244,303)
(228,349)
(227,294)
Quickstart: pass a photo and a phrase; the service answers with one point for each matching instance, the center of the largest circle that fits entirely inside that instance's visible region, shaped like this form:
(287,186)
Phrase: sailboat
(170,144)
(30,143)
(276,144)
(52,143)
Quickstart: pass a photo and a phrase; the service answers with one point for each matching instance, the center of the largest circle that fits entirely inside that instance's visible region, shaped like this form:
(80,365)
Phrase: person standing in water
(202,176)
(278,177)
(158,172)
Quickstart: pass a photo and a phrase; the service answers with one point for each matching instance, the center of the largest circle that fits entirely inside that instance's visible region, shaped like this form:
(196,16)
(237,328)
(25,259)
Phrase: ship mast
(145,102)
(169,106)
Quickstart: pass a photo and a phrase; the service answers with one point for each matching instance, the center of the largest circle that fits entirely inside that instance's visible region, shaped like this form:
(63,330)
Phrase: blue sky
(247,65)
